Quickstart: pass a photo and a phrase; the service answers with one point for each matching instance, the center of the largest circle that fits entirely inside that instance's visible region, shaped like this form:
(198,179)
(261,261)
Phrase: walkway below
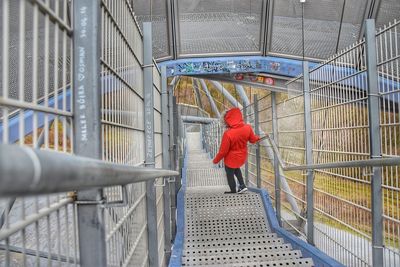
(227,229)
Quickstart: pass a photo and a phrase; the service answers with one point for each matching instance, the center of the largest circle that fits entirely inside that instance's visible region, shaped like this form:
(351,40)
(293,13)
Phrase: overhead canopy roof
(259,27)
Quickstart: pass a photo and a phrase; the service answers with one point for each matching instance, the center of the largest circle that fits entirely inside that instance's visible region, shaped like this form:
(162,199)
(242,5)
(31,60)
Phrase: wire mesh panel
(123,131)
(340,133)
(35,111)
(388,12)
(219,26)
(290,122)
(329,25)
(388,45)
(190,110)
(249,118)
(156,12)
(265,124)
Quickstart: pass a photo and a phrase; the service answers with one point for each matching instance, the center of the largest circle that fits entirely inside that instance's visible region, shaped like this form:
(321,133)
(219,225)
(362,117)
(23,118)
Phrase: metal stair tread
(232,237)
(248,249)
(234,258)
(303,262)
(240,243)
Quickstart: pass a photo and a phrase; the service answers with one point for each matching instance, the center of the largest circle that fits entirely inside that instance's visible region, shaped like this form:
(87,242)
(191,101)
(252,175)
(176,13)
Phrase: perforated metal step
(205,249)
(283,263)
(237,244)
(205,165)
(235,258)
(205,176)
(236,237)
(228,229)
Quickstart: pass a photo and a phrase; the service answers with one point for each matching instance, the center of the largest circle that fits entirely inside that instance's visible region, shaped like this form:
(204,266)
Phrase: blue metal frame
(177,248)
(270,65)
(307,250)
(223,65)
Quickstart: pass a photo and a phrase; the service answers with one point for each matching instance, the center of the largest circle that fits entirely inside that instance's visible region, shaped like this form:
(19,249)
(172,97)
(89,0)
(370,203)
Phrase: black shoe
(242,189)
(229,192)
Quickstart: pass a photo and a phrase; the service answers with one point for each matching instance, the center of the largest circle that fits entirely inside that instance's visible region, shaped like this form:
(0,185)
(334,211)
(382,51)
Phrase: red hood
(234,118)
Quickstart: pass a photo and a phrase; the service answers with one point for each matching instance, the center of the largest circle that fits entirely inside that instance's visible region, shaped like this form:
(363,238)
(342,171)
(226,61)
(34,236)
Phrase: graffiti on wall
(280,66)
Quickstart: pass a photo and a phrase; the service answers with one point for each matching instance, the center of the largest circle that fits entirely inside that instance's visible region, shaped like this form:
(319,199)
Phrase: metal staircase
(227,229)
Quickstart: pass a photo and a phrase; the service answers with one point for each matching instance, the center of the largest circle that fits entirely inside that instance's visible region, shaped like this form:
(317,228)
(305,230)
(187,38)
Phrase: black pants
(230,173)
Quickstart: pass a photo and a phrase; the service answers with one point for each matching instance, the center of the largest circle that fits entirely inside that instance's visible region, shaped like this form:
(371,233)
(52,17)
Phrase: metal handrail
(26,171)
(196,119)
(374,162)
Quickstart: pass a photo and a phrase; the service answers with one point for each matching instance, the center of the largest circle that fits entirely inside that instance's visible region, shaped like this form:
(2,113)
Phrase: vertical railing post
(203,135)
(87,127)
(375,143)
(149,144)
(309,157)
(166,163)
(219,128)
(214,140)
(246,165)
(215,133)
(172,147)
(258,147)
(276,161)
(177,143)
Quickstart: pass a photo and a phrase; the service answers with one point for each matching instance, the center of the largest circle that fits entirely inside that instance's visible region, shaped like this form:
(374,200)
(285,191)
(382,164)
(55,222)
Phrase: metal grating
(213,238)
(240,258)
(247,249)
(206,26)
(292,262)
(205,177)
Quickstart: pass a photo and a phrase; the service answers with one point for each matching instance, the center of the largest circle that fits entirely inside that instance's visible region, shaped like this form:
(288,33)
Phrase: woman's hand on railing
(266,136)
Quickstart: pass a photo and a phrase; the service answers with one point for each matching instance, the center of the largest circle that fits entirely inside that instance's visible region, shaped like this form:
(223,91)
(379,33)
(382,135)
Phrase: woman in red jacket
(233,148)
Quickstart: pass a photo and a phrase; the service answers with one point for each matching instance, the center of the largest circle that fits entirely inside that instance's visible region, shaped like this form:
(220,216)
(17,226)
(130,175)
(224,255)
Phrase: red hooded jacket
(233,147)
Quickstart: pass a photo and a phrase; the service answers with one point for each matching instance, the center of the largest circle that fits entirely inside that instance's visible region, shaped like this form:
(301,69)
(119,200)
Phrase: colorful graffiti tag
(199,66)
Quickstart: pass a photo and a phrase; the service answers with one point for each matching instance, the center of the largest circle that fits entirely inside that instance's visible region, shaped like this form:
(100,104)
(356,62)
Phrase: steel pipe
(226,94)
(210,98)
(374,162)
(46,172)
(195,119)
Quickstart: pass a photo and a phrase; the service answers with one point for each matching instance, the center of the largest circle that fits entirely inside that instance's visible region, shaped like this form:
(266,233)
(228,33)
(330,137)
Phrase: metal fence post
(219,138)
(87,126)
(258,148)
(276,161)
(246,165)
(166,162)
(309,157)
(172,147)
(213,140)
(216,143)
(149,144)
(177,144)
(202,133)
(375,143)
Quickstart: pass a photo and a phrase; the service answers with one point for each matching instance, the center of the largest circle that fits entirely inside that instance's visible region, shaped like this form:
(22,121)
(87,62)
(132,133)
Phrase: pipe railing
(391,161)
(45,172)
